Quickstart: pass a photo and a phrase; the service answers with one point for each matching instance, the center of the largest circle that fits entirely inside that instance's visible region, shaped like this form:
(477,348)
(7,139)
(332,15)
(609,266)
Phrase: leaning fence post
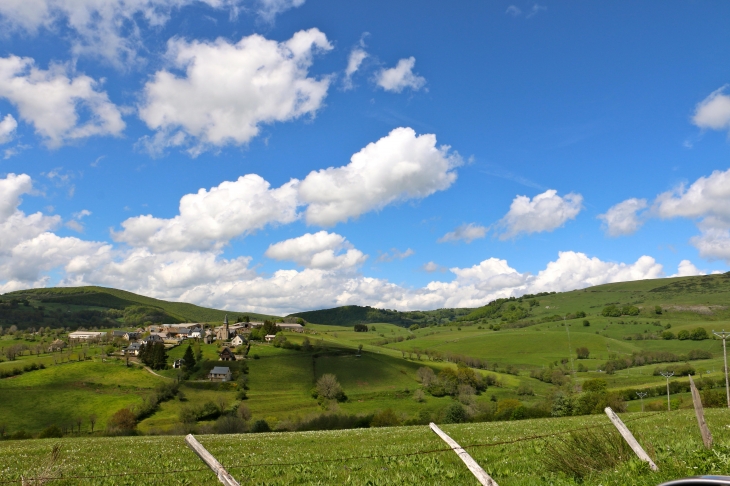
(700,413)
(210,461)
(475,468)
(629,437)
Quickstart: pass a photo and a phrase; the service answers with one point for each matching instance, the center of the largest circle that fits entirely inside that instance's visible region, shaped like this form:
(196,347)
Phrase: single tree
(328,387)
(92,421)
(189,358)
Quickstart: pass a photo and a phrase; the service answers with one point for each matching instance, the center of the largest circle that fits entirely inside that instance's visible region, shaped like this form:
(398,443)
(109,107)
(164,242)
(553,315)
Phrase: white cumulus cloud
(707,196)
(622,218)
(52,100)
(229,90)
(397,78)
(7,129)
(544,212)
(320,250)
(211,218)
(467,232)
(687,269)
(714,111)
(398,167)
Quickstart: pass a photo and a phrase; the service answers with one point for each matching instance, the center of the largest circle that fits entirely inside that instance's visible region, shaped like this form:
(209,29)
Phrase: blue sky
(411,155)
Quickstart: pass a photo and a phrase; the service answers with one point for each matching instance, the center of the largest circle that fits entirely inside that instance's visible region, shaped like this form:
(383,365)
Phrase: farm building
(86,335)
(269,337)
(220,373)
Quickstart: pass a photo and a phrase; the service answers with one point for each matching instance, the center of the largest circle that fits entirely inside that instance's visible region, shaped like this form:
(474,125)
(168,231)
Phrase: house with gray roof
(220,373)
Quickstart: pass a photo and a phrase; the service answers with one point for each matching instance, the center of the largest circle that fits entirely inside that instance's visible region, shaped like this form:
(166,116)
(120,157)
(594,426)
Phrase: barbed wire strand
(323,461)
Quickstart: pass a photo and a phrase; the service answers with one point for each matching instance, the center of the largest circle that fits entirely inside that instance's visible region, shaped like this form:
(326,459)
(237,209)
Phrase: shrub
(582,353)
(123,421)
(525,390)
(51,432)
(20,435)
(361,328)
(683,335)
(260,426)
(668,335)
(455,413)
(586,323)
(385,418)
(713,398)
(419,396)
(230,424)
(595,385)
(698,334)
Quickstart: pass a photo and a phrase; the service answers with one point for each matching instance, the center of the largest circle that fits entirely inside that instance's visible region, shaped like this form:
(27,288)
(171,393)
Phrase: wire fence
(528,438)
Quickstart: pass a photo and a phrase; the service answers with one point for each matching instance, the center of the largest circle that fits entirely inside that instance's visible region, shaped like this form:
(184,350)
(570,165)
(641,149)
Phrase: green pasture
(396,455)
(61,394)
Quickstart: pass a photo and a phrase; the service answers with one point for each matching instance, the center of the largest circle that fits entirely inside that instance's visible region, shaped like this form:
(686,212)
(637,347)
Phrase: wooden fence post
(475,468)
(223,476)
(700,413)
(629,437)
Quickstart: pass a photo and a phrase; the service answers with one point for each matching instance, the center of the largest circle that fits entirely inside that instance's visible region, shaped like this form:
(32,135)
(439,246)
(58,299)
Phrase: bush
(668,335)
(582,353)
(123,421)
(385,418)
(683,335)
(230,424)
(260,426)
(595,385)
(20,435)
(698,334)
(51,432)
(455,413)
(586,323)
(713,398)
(361,328)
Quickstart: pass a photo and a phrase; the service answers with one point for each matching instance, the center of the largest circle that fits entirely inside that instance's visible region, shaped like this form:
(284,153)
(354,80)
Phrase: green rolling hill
(94,305)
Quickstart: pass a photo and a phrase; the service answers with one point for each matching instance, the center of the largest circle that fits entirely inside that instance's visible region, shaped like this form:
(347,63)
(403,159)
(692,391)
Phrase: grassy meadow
(379,456)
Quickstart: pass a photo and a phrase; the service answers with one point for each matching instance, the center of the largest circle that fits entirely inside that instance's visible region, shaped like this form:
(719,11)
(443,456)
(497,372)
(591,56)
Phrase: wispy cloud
(395,254)
(466,232)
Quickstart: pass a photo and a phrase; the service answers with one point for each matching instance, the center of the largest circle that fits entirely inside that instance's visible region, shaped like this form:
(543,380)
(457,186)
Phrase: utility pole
(667,376)
(641,396)
(724,335)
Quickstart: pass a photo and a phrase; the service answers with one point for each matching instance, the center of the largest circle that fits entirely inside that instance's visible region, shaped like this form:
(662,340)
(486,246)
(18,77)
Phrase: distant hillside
(99,306)
(355,314)
(708,295)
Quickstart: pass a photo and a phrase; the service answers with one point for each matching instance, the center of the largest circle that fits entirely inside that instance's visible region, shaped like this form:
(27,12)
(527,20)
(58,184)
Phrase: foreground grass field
(395,455)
